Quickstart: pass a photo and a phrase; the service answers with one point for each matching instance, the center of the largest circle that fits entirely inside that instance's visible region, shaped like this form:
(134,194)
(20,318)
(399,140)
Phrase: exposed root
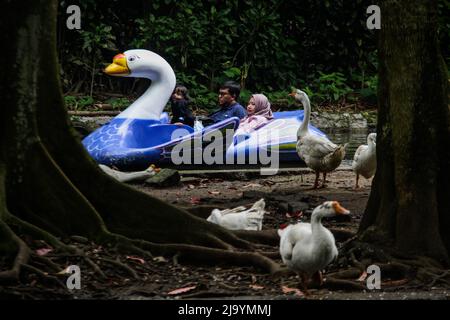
(24,227)
(210,256)
(271,254)
(22,256)
(341,284)
(95,267)
(121,265)
(396,268)
(43,275)
(352,273)
(199,254)
(269,237)
(46,261)
(218,243)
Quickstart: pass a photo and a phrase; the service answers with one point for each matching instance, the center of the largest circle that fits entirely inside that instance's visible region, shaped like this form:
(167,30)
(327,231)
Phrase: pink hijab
(262,106)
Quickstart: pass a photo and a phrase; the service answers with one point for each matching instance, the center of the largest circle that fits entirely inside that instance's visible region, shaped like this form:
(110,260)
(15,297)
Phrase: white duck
(139,63)
(239,218)
(365,159)
(307,248)
(319,153)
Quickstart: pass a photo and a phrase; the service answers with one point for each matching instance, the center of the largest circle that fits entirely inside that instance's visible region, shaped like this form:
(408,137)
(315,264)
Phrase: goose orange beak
(119,67)
(292,94)
(339,209)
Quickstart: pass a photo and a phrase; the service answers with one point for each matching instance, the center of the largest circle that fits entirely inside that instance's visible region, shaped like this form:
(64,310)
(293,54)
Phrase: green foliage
(331,87)
(78,103)
(119,103)
(266,46)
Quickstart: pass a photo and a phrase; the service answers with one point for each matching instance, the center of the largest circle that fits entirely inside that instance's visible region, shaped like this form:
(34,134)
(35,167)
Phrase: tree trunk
(410,198)
(49,185)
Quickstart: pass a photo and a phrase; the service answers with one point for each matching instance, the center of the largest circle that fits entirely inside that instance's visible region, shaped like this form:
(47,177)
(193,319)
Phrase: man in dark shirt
(229,107)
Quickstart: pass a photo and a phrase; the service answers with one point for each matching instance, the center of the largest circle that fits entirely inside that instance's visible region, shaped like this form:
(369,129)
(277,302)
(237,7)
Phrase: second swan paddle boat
(142,135)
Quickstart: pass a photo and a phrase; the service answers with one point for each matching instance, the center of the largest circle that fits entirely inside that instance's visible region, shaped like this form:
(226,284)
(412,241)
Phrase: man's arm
(239,112)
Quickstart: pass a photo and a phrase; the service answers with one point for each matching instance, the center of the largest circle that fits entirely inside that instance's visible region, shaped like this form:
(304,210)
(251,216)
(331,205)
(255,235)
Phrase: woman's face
(177,95)
(251,106)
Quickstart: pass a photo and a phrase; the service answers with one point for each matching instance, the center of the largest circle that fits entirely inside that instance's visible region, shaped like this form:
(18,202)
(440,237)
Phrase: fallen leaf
(191,186)
(256,287)
(214,192)
(43,251)
(289,290)
(140,260)
(181,290)
(64,271)
(296,214)
(159,259)
(362,277)
(195,200)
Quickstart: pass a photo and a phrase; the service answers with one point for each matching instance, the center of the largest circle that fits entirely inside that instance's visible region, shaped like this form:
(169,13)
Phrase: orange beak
(292,94)
(339,209)
(119,67)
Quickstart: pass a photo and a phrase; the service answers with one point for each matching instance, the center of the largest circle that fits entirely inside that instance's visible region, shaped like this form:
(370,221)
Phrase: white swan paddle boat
(142,134)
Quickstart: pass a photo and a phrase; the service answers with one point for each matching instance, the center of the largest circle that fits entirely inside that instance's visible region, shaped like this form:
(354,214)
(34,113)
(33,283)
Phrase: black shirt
(181,112)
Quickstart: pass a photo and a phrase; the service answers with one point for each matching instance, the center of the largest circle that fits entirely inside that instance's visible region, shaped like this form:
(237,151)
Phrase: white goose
(365,159)
(307,248)
(239,218)
(319,153)
(139,63)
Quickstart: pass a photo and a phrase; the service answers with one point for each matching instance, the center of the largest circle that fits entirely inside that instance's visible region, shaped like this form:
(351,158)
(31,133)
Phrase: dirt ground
(141,278)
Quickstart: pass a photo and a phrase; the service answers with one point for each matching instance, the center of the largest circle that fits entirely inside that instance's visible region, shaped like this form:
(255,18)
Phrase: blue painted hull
(134,144)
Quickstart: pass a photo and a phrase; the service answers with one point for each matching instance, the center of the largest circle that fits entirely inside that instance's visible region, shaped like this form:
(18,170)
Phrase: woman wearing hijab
(258,113)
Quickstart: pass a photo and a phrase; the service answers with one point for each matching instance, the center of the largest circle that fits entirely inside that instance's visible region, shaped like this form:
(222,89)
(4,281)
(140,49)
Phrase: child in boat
(181,113)
(258,114)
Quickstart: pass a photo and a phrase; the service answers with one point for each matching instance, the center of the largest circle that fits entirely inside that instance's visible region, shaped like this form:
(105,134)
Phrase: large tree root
(22,255)
(198,254)
(397,270)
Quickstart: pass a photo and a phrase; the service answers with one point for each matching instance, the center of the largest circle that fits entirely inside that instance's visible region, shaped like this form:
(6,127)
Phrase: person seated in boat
(179,101)
(229,107)
(258,114)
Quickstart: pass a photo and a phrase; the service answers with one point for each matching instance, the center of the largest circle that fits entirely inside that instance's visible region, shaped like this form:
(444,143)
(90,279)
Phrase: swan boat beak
(119,67)
(339,209)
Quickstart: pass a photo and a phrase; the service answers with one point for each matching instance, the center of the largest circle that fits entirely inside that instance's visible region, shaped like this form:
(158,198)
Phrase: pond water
(355,138)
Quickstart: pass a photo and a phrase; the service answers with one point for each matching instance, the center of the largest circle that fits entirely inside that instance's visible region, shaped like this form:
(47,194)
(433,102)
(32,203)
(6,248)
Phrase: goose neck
(306,116)
(316,221)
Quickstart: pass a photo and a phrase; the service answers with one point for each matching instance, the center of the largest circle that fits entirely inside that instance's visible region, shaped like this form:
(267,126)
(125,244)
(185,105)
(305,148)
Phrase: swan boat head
(127,140)
(139,63)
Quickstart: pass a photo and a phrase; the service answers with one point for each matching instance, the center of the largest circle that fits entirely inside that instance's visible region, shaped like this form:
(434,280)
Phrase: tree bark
(410,202)
(50,186)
